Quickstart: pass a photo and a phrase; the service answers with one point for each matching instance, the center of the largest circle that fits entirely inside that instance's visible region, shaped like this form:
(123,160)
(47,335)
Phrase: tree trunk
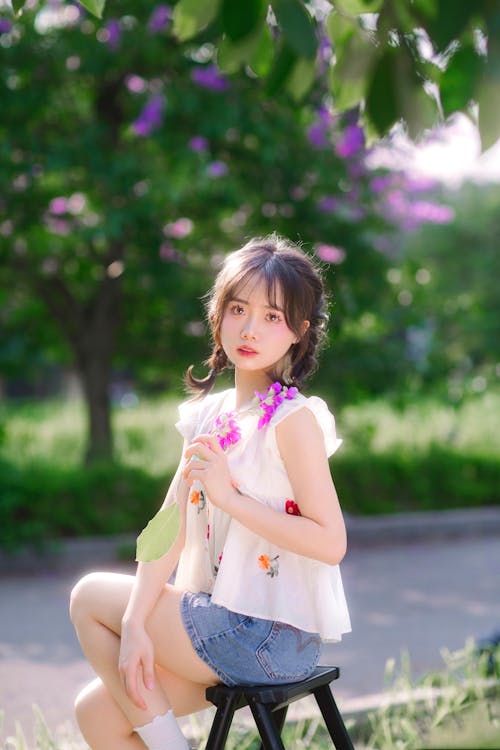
(90,330)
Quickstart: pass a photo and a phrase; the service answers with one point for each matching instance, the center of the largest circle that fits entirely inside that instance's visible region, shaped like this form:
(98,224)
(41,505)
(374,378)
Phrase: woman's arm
(319,532)
(151,576)
(136,662)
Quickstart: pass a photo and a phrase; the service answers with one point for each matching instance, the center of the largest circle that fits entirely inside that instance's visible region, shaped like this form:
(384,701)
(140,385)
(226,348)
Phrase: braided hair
(284,268)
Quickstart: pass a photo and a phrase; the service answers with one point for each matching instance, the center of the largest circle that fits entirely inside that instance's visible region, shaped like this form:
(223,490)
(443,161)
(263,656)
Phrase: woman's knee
(81,598)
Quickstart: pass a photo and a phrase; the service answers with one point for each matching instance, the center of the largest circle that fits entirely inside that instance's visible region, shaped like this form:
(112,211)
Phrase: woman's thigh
(104,597)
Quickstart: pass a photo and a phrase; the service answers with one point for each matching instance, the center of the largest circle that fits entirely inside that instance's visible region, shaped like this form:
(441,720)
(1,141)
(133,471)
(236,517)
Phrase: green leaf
(96,7)
(159,535)
(382,97)
(448,22)
(457,82)
(297,27)
(231,56)
(355,56)
(488,99)
(301,78)
(192,16)
(241,19)
(17,6)
(282,67)
(355,7)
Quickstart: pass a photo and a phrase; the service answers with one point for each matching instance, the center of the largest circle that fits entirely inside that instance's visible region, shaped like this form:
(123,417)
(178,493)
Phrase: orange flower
(264,562)
(195,497)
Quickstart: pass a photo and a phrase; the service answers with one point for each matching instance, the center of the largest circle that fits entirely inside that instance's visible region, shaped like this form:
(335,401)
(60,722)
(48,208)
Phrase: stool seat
(269,706)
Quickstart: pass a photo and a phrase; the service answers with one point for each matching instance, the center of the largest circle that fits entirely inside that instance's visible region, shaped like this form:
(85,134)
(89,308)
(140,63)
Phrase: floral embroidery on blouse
(217,565)
(270,565)
(197,497)
(292,508)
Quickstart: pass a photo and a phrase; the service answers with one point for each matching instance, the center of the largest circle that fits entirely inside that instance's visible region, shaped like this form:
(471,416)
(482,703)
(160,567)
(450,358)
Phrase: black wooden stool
(269,705)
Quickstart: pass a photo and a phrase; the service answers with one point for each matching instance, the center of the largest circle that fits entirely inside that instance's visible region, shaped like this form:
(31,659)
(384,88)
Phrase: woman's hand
(136,663)
(206,462)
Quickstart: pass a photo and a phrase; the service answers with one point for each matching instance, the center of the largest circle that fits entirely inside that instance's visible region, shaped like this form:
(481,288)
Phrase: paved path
(419,596)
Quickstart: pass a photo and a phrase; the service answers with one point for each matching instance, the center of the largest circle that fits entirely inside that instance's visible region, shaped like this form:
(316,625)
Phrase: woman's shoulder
(298,416)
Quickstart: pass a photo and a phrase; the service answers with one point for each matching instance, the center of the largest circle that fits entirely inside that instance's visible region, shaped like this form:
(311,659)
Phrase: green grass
(456,708)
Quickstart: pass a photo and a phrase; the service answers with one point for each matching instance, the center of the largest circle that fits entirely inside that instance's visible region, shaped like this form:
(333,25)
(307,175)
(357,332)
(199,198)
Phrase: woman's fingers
(130,680)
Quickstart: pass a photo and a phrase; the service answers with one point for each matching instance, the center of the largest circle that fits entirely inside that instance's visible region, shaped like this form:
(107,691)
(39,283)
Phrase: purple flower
(272,399)
(227,430)
(420,184)
(58,206)
(330,253)
(209,77)
(135,84)
(431,212)
(352,141)
(318,132)
(5,25)
(114,33)
(328,203)
(179,228)
(217,169)
(160,18)
(381,183)
(198,143)
(151,116)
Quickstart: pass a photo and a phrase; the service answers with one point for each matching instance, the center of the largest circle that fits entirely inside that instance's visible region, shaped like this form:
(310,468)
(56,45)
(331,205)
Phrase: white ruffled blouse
(241,570)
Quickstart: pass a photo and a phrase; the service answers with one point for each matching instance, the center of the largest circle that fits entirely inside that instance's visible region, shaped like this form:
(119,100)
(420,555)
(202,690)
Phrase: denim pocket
(288,654)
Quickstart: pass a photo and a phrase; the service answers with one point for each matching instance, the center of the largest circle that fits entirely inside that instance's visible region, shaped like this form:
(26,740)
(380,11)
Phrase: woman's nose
(249,330)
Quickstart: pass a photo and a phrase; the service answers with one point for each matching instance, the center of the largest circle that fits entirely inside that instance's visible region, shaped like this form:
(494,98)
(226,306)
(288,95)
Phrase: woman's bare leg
(97,606)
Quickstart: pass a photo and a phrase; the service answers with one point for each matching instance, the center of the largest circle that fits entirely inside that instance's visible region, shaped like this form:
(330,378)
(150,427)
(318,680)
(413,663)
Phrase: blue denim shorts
(245,650)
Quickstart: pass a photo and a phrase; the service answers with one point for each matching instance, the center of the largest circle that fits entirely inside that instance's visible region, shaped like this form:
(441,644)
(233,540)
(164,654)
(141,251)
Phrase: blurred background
(135,154)
(139,148)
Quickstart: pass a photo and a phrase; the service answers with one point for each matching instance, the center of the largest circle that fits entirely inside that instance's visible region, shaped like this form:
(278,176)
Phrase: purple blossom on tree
(151,116)
(114,33)
(217,169)
(330,253)
(209,77)
(160,18)
(328,203)
(198,143)
(351,142)
(58,206)
(319,132)
(5,25)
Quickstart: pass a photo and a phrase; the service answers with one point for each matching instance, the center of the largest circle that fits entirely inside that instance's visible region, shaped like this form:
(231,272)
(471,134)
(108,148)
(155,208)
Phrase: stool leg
(279,717)
(221,724)
(266,725)
(333,719)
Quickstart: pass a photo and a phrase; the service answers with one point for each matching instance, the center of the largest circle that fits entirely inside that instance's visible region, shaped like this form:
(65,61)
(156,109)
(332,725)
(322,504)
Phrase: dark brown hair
(284,268)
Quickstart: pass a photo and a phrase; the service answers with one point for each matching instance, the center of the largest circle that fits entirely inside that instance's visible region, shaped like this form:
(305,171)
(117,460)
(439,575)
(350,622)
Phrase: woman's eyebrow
(246,302)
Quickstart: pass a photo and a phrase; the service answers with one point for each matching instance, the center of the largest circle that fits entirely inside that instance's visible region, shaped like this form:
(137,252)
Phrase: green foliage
(397,30)
(41,501)
(420,457)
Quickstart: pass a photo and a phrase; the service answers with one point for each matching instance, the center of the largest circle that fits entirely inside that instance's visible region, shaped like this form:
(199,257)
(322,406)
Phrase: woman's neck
(246,383)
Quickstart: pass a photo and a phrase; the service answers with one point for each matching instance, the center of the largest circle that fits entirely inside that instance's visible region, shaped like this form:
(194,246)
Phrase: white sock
(163,733)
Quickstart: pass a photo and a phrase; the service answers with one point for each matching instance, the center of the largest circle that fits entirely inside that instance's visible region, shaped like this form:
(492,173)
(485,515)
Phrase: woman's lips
(246,351)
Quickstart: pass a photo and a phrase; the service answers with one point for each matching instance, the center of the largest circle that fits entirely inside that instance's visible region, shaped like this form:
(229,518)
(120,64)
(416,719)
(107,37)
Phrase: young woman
(257,586)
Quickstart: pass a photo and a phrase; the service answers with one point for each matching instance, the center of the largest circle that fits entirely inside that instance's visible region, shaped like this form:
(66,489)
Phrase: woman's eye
(237,309)
(273,317)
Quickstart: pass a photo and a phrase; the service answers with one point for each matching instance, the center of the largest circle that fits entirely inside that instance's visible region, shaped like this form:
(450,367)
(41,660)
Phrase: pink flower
(226,430)
(330,253)
(271,400)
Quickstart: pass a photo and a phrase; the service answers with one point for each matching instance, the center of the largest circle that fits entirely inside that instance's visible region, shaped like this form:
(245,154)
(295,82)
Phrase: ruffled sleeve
(323,415)
(189,414)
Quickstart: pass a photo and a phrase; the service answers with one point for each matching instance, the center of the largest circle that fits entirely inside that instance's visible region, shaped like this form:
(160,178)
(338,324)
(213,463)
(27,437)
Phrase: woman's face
(254,334)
